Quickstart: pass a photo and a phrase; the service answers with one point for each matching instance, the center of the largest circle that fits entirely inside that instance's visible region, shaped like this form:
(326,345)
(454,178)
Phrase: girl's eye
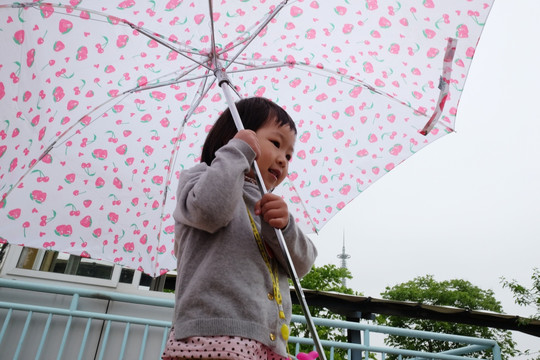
(276,143)
(288,157)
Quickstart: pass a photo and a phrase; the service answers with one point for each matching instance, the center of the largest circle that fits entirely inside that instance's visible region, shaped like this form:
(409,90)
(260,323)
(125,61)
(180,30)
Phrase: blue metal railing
(41,321)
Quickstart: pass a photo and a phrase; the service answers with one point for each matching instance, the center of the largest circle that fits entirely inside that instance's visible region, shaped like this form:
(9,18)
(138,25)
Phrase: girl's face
(277,147)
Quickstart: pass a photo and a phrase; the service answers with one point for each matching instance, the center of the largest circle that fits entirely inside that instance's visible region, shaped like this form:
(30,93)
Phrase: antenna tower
(343,256)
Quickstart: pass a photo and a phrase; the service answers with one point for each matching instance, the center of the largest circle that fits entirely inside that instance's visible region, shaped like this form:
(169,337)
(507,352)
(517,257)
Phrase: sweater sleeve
(208,195)
(301,249)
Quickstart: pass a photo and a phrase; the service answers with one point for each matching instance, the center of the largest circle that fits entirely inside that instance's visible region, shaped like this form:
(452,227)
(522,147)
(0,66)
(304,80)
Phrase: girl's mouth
(275,172)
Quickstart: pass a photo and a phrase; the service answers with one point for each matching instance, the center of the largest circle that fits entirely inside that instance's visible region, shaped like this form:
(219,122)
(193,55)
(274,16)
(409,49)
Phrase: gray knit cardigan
(223,286)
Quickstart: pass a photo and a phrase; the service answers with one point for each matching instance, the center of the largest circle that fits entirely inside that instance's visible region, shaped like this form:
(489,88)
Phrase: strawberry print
(105,102)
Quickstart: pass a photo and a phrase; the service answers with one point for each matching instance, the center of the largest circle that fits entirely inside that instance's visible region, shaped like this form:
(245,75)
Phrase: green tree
(524,296)
(457,293)
(324,278)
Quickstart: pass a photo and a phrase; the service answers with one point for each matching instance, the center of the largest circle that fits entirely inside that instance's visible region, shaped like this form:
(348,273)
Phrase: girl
(232,290)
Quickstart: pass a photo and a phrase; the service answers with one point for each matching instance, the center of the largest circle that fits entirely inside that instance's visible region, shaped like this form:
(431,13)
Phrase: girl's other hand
(250,138)
(273,210)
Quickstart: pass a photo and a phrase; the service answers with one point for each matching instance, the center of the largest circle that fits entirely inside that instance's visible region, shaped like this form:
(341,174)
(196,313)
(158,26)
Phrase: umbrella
(105,102)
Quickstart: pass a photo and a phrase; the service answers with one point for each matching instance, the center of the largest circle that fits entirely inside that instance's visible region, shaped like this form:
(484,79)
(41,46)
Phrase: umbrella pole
(224,83)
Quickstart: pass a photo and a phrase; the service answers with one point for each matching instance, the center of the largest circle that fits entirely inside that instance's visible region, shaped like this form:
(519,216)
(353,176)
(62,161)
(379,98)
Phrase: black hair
(254,112)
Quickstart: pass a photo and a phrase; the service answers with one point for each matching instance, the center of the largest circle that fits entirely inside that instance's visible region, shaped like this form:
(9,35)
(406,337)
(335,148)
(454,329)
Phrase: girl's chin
(271,182)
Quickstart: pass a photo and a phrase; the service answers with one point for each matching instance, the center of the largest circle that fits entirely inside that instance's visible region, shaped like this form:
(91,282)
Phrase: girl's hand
(273,210)
(250,138)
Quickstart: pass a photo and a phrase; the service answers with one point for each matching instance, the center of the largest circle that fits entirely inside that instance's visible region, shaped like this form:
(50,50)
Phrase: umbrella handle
(224,84)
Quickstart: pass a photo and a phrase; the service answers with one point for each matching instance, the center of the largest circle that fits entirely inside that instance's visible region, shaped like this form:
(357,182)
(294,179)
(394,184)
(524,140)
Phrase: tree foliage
(324,278)
(524,296)
(327,278)
(457,293)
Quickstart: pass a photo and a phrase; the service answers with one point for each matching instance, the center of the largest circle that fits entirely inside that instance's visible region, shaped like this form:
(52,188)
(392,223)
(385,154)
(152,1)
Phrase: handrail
(399,331)
(109,325)
(65,290)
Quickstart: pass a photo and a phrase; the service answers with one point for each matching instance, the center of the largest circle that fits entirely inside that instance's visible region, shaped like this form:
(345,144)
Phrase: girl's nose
(282,159)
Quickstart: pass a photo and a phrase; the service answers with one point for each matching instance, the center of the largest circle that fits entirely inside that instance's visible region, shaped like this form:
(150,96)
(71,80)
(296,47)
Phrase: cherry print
(95,114)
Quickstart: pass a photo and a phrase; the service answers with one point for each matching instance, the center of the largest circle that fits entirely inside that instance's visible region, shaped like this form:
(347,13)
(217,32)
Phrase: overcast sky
(467,206)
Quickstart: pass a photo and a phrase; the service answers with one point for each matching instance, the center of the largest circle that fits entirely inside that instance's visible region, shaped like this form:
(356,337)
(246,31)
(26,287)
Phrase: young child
(232,290)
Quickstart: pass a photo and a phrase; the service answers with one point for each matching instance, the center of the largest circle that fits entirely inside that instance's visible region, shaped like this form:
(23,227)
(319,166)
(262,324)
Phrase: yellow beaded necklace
(272,269)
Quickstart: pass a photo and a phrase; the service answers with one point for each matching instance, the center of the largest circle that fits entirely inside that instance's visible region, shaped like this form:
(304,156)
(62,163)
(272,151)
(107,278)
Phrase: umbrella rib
(154,36)
(179,79)
(198,99)
(250,39)
(212,30)
(319,71)
(56,141)
(306,212)
(124,94)
(174,154)
(192,108)
(164,43)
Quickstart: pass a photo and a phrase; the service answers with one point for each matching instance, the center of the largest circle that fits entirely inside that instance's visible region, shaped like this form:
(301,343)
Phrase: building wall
(24,331)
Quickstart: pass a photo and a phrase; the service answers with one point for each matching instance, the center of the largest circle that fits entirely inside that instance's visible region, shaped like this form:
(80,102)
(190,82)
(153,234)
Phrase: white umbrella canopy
(104,103)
